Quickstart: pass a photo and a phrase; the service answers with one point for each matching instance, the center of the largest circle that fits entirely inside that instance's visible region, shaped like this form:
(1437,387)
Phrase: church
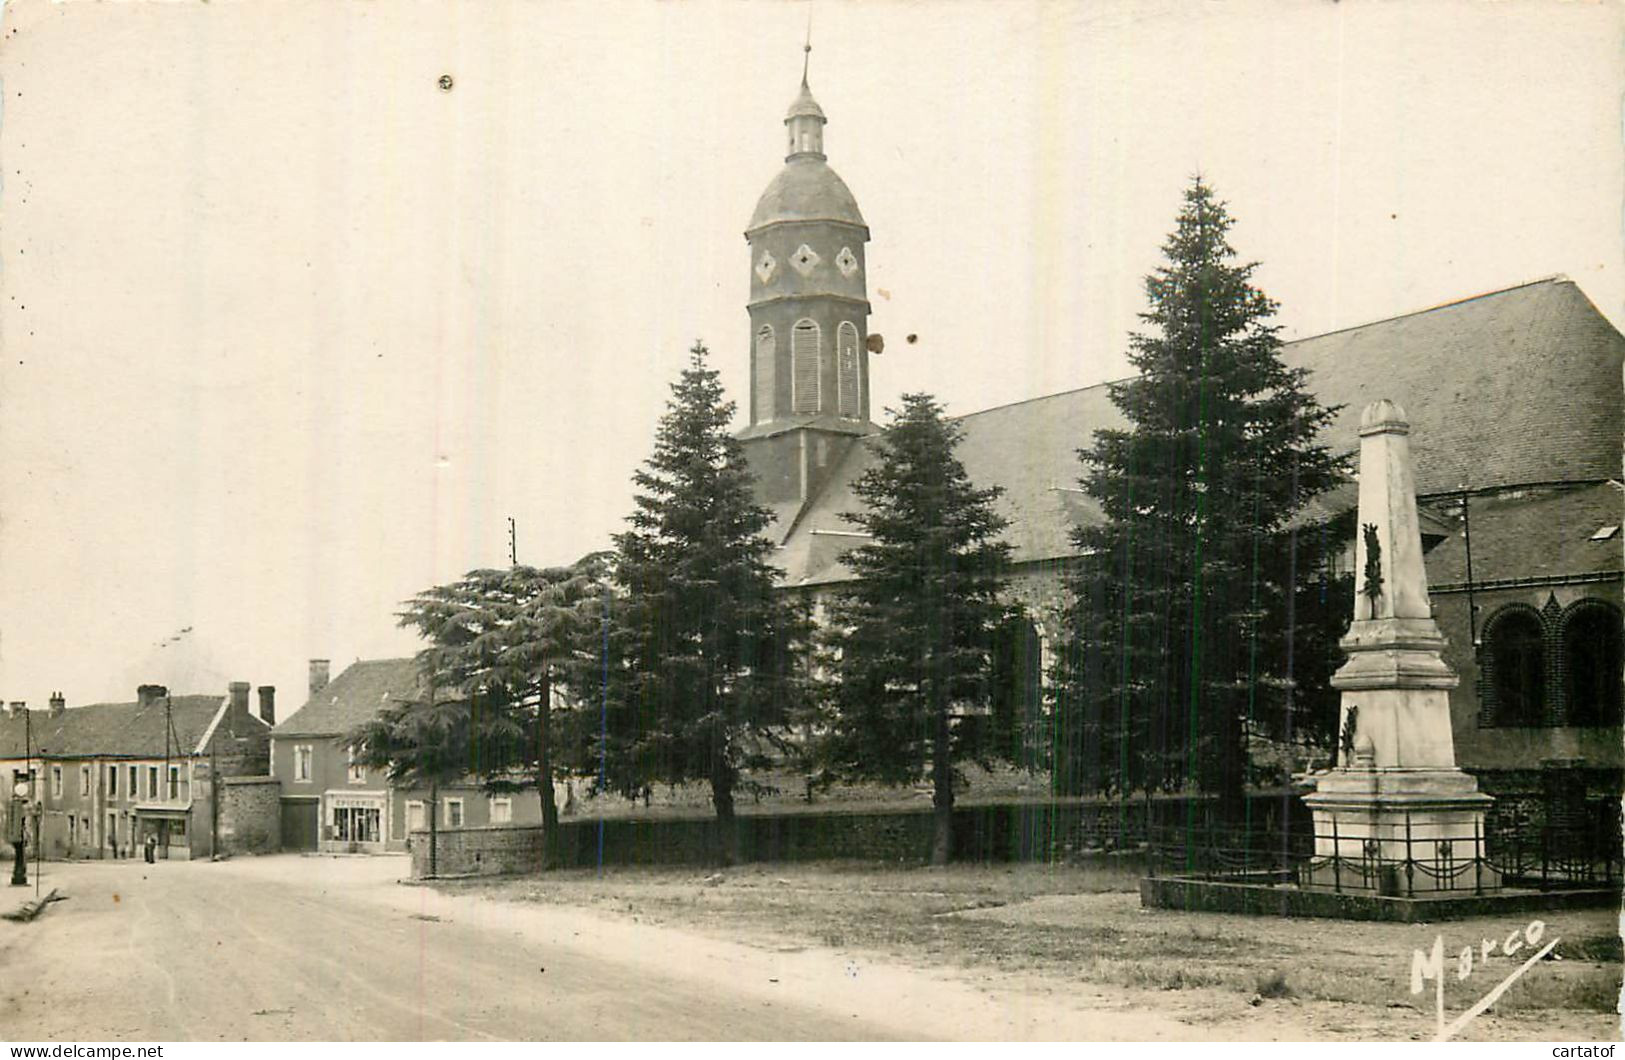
(1517,408)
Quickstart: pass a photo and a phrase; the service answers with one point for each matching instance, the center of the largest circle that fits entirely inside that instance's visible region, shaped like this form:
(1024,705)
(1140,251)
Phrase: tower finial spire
(806,50)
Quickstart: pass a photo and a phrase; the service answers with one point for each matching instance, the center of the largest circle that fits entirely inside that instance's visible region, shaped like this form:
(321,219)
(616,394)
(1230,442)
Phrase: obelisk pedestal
(1396,816)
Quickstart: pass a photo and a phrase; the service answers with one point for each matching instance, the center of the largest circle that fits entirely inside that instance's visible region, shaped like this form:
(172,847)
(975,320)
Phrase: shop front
(355,823)
(167,828)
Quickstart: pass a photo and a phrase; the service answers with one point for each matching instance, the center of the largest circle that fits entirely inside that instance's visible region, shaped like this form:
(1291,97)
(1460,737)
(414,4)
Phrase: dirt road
(307,948)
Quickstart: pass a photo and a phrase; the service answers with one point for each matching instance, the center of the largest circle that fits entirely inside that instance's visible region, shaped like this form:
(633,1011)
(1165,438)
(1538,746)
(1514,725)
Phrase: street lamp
(19,804)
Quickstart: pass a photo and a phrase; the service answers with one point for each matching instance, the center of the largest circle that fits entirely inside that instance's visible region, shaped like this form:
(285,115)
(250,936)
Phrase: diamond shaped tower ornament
(766,266)
(846,262)
(805,259)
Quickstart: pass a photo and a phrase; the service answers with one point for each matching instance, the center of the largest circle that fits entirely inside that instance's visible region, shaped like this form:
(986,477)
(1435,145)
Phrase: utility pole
(214,805)
(163,822)
(513,542)
(434,807)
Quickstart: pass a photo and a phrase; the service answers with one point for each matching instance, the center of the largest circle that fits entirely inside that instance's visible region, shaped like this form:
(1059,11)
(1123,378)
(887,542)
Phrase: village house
(178,768)
(331,803)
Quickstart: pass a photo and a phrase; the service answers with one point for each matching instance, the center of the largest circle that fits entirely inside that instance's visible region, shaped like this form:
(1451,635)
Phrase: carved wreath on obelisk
(1373,564)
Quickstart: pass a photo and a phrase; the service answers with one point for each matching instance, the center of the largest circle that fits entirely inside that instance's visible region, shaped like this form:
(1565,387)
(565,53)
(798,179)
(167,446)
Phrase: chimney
(239,697)
(59,703)
(268,704)
(147,695)
(17,707)
(318,675)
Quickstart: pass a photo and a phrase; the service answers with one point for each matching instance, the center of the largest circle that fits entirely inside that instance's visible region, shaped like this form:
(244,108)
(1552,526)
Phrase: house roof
(1515,386)
(1537,534)
(353,697)
(113,729)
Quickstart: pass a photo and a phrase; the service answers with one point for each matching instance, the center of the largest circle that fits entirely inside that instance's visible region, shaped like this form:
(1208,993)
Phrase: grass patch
(1273,985)
(1080,923)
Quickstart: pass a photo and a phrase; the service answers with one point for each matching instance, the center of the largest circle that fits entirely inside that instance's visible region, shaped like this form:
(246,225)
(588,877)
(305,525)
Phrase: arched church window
(1591,657)
(1016,687)
(846,368)
(804,356)
(766,346)
(1516,665)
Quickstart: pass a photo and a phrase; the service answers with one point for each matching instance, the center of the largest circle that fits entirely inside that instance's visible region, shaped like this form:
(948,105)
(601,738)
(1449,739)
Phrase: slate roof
(121,730)
(1539,534)
(1515,386)
(806,189)
(353,697)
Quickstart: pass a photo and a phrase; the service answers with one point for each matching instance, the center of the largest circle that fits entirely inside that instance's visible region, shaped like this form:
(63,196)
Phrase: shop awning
(170,811)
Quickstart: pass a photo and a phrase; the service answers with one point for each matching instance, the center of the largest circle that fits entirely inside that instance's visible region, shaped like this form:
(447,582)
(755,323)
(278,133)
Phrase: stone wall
(250,815)
(492,851)
(998,833)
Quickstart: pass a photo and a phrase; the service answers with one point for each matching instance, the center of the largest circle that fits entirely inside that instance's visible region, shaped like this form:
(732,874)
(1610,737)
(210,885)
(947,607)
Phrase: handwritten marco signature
(1430,965)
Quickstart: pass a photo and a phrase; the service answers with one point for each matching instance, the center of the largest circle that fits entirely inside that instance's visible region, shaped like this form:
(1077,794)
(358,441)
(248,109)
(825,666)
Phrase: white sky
(288,332)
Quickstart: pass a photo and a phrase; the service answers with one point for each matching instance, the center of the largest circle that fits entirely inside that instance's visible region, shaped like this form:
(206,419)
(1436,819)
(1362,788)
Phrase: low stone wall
(1263,899)
(496,850)
(998,833)
(250,815)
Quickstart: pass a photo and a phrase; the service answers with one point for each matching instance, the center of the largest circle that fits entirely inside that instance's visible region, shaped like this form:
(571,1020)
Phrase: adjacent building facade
(176,769)
(330,803)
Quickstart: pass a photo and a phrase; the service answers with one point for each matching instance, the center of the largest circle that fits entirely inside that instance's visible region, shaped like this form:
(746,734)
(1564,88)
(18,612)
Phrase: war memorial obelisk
(1397,813)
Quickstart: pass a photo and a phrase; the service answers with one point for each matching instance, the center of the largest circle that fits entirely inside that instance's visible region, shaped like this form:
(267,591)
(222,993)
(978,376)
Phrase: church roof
(806,189)
(804,105)
(1544,533)
(1515,386)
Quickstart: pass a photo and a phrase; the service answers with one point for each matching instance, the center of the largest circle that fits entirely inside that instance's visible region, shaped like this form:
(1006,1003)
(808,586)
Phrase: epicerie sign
(352,802)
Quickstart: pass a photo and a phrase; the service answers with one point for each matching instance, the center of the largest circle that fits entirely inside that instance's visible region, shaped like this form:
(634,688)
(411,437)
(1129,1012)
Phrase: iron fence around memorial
(1541,858)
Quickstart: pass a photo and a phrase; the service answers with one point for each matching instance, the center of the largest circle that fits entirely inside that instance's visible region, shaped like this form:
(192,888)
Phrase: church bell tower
(809,312)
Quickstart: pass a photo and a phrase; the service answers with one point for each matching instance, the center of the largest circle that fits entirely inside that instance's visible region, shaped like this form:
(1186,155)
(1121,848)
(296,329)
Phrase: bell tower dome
(809,313)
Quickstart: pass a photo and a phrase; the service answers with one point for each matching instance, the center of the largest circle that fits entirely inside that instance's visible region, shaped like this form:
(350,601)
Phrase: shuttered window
(766,347)
(846,367)
(804,351)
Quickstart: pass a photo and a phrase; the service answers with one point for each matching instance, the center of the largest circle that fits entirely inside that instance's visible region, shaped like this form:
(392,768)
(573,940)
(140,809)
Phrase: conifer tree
(506,639)
(704,659)
(911,637)
(1199,614)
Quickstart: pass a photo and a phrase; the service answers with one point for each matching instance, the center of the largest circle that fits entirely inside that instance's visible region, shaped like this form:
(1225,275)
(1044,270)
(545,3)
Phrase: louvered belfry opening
(846,366)
(766,374)
(804,351)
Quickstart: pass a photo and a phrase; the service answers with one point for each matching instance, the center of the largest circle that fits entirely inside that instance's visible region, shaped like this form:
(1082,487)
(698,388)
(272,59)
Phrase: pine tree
(703,664)
(911,638)
(1197,606)
(508,638)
